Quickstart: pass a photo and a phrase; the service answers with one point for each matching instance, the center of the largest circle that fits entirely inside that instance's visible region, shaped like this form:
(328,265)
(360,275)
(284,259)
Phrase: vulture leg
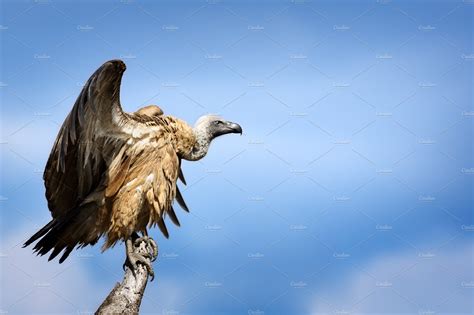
(151,245)
(133,257)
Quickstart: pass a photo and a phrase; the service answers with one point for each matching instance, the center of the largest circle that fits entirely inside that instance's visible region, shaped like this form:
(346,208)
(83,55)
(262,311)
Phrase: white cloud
(426,283)
(32,285)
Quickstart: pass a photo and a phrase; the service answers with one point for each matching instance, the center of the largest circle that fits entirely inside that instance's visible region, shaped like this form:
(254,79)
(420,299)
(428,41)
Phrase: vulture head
(206,129)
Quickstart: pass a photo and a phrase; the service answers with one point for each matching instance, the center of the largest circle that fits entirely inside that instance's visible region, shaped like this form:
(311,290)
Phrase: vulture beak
(220,128)
(233,127)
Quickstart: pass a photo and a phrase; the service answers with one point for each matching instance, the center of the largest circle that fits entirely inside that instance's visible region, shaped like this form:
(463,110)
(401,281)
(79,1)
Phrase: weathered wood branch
(126,297)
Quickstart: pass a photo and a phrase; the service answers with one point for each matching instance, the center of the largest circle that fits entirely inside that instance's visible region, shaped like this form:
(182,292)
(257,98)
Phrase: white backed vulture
(112,173)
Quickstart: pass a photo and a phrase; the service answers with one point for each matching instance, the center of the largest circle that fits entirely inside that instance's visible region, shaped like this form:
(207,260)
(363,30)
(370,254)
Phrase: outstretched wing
(91,159)
(93,129)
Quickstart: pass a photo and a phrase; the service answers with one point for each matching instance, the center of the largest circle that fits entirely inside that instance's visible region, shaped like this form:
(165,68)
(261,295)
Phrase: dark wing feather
(76,164)
(180,200)
(94,131)
(180,173)
(162,226)
(173,216)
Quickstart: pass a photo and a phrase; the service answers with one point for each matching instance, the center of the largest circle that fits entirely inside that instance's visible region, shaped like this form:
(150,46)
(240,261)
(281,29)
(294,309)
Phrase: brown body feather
(111,173)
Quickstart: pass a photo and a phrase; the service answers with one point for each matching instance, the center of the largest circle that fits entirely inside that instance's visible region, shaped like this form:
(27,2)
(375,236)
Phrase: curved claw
(154,248)
(134,257)
(151,245)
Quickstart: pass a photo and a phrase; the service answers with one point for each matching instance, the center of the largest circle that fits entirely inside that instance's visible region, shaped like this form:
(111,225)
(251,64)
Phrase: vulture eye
(218,122)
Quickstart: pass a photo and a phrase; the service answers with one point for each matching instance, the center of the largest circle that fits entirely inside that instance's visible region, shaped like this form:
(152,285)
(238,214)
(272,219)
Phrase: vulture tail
(64,233)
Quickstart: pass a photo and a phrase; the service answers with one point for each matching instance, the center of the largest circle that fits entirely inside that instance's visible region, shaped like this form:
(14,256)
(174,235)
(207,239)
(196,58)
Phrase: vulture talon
(150,244)
(133,258)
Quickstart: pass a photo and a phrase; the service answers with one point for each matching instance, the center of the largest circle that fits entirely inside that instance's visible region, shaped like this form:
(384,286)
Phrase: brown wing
(95,132)
(91,160)
(94,129)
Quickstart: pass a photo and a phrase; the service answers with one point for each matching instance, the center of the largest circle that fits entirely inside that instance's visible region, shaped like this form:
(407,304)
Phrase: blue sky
(350,191)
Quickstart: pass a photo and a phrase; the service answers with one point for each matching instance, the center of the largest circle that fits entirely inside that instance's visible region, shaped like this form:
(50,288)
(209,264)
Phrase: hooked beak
(223,128)
(233,127)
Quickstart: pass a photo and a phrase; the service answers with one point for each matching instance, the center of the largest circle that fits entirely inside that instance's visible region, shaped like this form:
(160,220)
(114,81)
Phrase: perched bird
(113,174)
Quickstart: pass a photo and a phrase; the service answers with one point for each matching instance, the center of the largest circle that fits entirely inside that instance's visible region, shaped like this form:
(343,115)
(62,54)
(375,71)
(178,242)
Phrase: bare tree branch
(126,297)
